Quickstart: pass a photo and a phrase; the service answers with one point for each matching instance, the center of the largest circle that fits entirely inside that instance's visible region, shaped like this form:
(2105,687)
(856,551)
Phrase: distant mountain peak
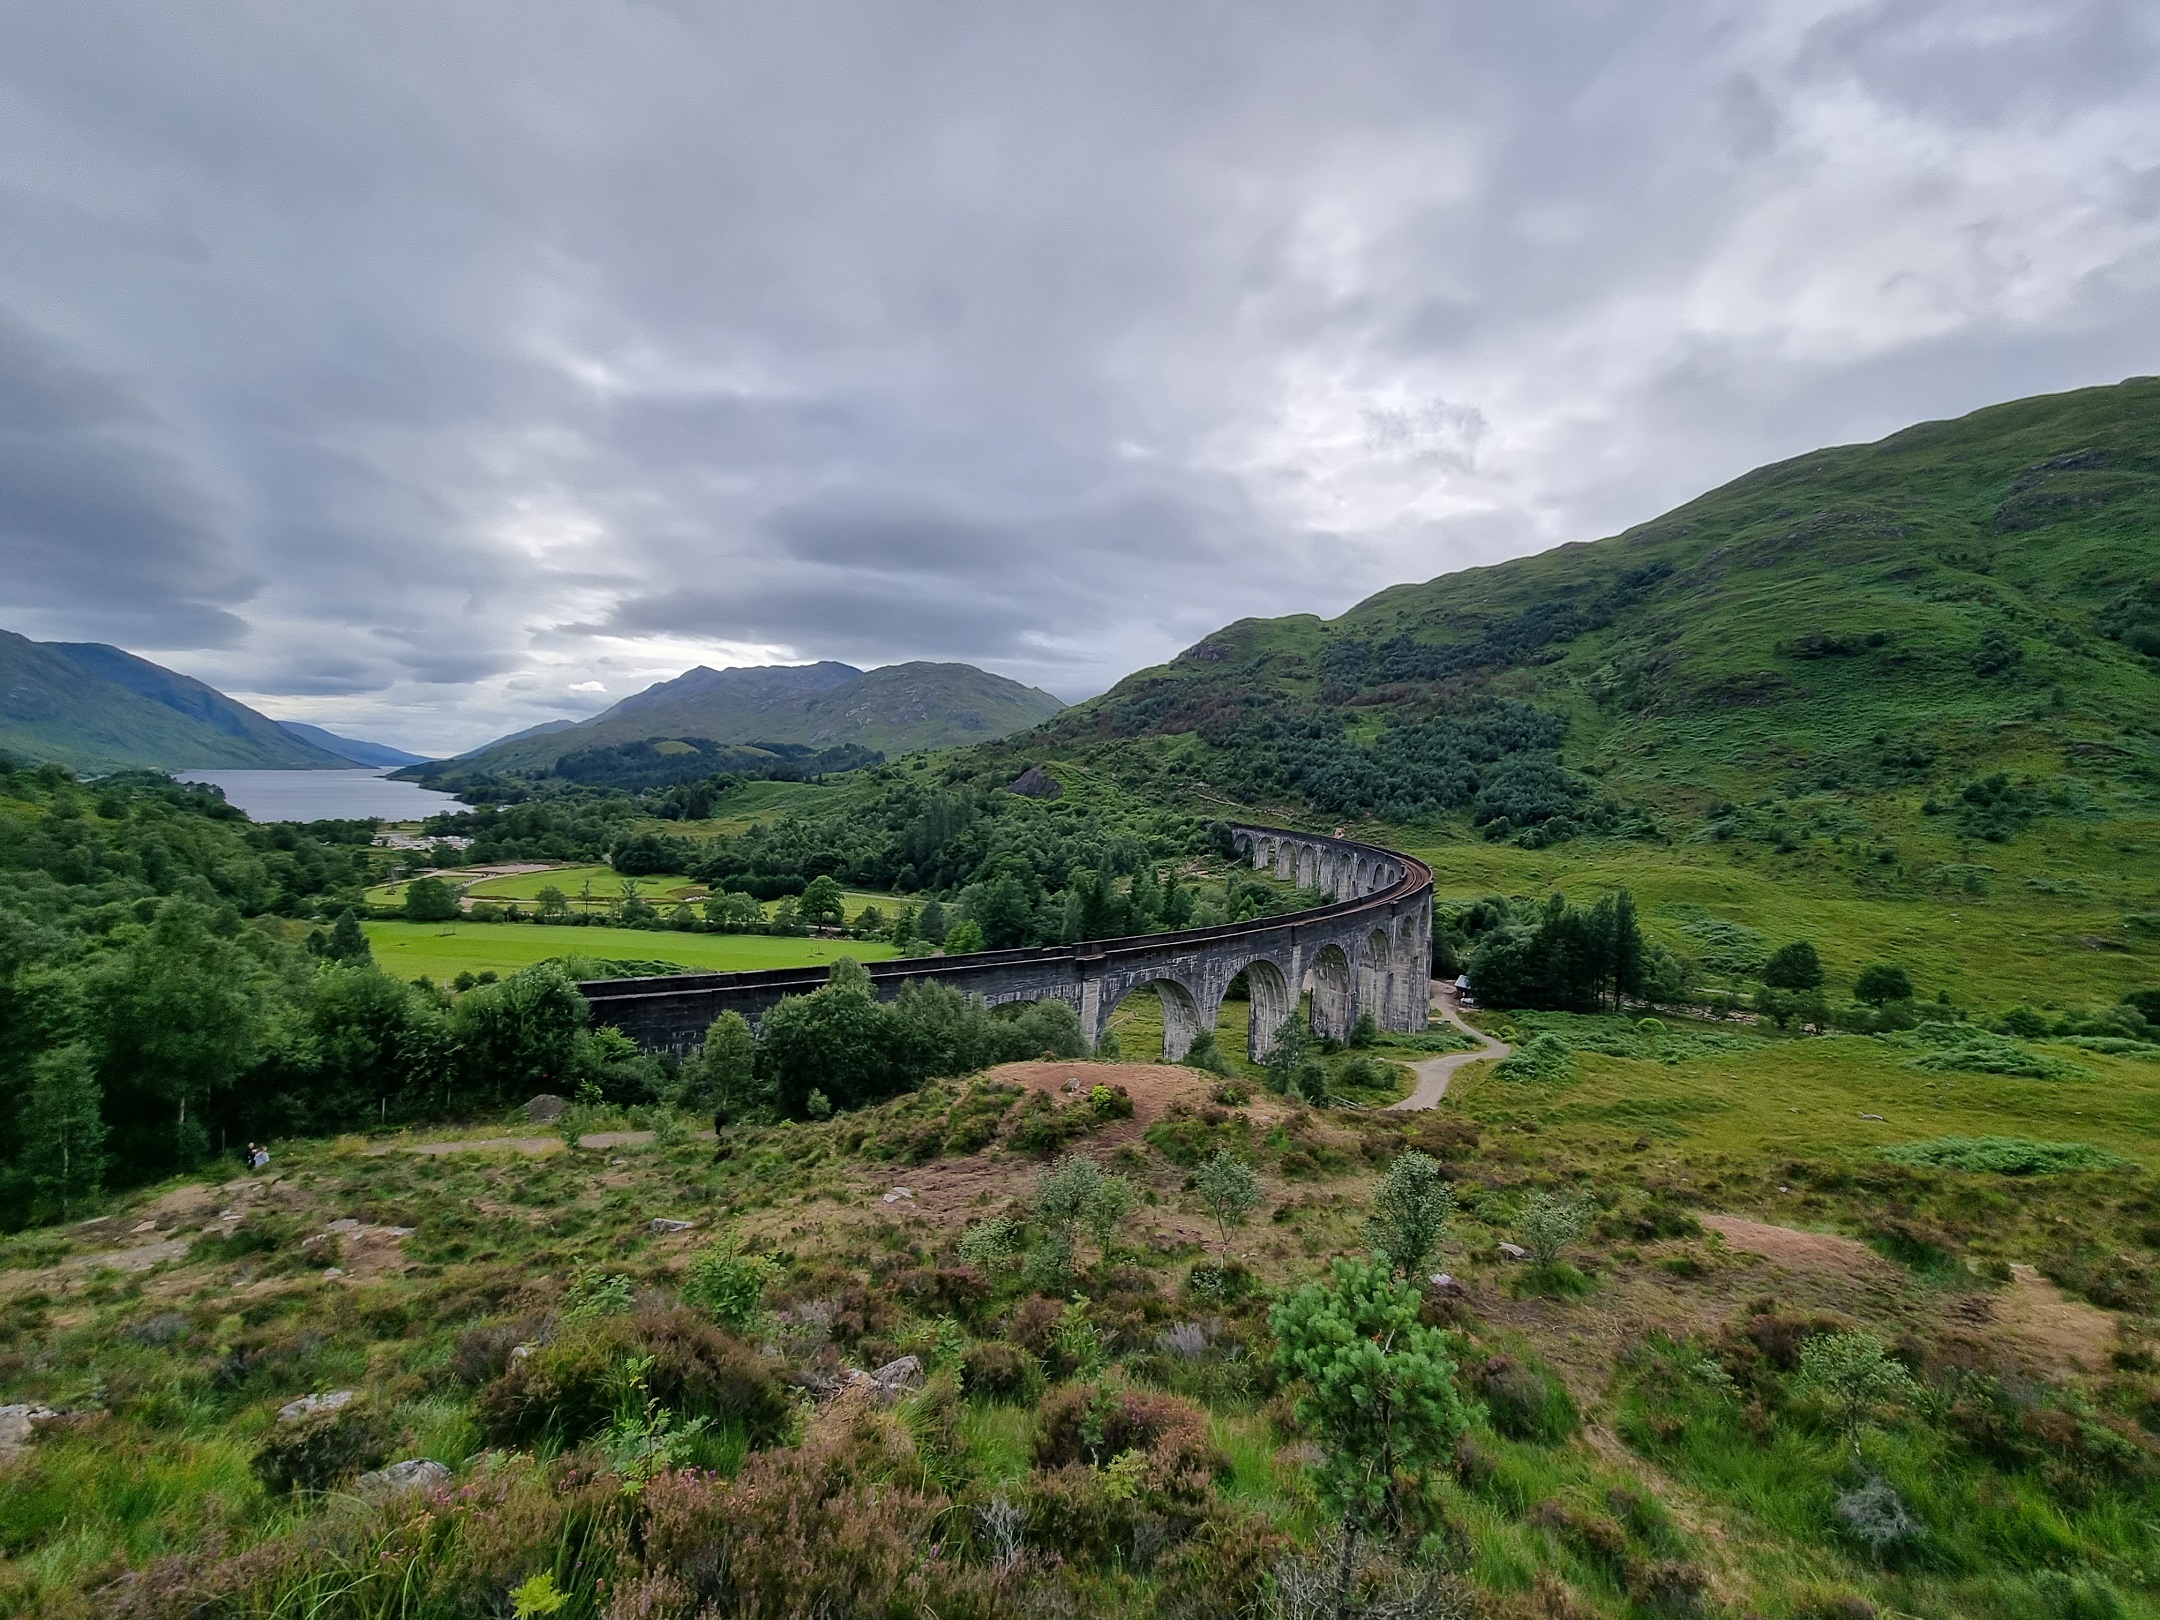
(353,748)
(895,709)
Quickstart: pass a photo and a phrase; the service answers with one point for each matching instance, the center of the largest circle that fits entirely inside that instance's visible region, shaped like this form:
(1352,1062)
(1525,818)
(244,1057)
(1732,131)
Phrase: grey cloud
(445,357)
(96,508)
(1949,59)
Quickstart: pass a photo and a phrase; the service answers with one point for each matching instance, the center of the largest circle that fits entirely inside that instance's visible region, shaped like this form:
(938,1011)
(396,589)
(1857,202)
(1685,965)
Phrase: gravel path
(1432,1074)
(512,1144)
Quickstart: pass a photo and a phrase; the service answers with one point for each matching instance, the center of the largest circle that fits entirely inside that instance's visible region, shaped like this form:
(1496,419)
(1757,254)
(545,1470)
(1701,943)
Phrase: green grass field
(443,950)
(1734,1096)
(753,801)
(2047,927)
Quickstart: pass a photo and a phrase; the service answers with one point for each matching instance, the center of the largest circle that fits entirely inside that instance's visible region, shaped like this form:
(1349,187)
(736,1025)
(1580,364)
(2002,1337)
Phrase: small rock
(1784,1189)
(893,1380)
(415,1474)
(308,1406)
(1876,1117)
(518,1352)
(228,1214)
(900,1193)
(618,1161)
(19,1423)
(545,1109)
(1514,1251)
(333,1271)
(660,1223)
(1445,1284)
(144,1226)
(400,1231)
(348,1224)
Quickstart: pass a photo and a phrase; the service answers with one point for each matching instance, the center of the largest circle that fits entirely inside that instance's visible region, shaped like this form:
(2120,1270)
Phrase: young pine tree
(1377,1387)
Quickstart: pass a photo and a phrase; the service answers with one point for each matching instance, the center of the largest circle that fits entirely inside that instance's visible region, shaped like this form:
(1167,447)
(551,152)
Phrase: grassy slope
(99,709)
(163,1464)
(1694,692)
(1695,695)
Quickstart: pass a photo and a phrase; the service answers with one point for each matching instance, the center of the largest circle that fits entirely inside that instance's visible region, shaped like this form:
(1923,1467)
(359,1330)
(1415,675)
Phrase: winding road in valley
(1433,1073)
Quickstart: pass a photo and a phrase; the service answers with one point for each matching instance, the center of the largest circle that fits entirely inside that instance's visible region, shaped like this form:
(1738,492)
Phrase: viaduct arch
(1370,950)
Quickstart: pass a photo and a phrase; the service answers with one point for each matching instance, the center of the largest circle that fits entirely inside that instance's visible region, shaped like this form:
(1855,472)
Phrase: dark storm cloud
(420,365)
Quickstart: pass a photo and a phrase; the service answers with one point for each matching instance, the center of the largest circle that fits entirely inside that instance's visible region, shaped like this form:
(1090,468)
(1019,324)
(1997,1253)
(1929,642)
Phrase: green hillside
(1900,699)
(96,708)
(899,709)
(1978,592)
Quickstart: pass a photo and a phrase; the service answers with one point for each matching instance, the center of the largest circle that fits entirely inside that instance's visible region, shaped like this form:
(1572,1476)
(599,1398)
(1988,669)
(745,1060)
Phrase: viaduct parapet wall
(1368,951)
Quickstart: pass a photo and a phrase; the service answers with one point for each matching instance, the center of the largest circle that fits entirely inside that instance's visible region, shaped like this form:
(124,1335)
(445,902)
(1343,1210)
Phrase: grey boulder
(308,1406)
(891,1381)
(414,1474)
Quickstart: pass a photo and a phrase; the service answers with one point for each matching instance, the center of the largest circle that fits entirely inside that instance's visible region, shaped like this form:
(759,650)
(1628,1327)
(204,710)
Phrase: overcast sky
(427,369)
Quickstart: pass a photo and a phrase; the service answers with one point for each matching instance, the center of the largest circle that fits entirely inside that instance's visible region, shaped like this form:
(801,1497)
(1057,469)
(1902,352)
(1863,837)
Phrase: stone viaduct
(1370,950)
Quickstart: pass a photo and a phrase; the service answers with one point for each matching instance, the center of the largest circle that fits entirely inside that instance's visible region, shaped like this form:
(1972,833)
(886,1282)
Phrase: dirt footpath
(1433,1073)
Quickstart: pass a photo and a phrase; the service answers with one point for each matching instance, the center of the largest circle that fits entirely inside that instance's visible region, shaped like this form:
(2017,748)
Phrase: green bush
(2003,1155)
(1880,983)
(430,899)
(1965,1049)
(568,1390)
(317,1453)
(727,1284)
(1794,967)
(1544,1059)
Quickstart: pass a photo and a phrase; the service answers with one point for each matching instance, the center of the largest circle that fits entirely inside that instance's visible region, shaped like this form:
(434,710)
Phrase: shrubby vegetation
(843,1044)
(2004,1155)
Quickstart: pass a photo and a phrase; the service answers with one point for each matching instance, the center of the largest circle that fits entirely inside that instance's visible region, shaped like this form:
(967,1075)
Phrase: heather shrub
(997,1369)
(835,1525)
(1522,1402)
(456,1555)
(569,1389)
(482,1353)
(314,1455)
(1072,1510)
(1096,1425)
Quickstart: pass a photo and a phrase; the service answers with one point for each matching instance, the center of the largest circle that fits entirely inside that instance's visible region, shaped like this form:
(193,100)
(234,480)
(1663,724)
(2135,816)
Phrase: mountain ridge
(358,750)
(98,708)
(896,708)
(1957,590)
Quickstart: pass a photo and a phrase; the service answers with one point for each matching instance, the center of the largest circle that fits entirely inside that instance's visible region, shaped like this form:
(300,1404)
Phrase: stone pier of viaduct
(1370,950)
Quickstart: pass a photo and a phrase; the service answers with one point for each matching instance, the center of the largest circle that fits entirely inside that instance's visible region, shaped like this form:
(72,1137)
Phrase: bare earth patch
(511,1144)
(2062,1332)
(1801,1251)
(1153,1086)
(2035,1320)
(952,1192)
